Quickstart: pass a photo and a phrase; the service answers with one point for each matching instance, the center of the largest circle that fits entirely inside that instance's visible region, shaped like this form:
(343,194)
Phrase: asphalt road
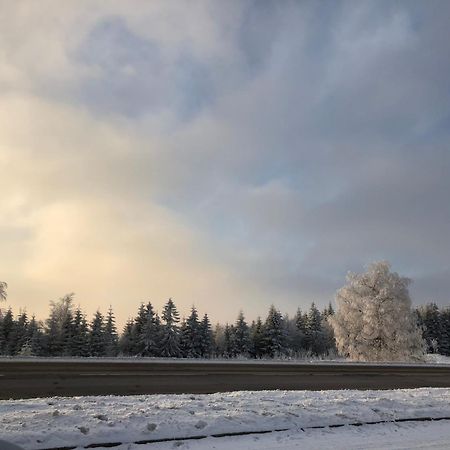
(28,378)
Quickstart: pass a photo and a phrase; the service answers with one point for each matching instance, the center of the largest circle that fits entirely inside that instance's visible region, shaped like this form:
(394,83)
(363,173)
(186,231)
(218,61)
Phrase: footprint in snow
(102,417)
(200,424)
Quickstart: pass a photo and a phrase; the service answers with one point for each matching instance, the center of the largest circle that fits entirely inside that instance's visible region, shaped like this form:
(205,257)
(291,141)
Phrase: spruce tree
(301,320)
(206,338)
(274,334)
(97,344)
(67,334)
(54,336)
(20,334)
(149,337)
(170,332)
(445,330)
(7,326)
(137,331)
(53,344)
(432,327)
(126,345)
(35,337)
(257,339)
(191,336)
(111,336)
(314,334)
(80,340)
(242,336)
(228,351)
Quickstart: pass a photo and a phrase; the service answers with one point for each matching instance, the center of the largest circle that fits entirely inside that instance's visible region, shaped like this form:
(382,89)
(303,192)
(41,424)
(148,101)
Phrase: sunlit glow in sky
(225,154)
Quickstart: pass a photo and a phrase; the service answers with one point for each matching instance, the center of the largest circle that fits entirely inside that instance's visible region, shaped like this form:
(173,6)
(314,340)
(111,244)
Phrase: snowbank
(53,422)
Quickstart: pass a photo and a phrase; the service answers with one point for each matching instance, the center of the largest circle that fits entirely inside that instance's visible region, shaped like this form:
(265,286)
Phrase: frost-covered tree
(52,343)
(56,323)
(149,338)
(274,333)
(242,336)
(430,320)
(445,326)
(206,338)
(374,321)
(111,336)
(229,350)
(97,344)
(257,338)
(315,336)
(80,335)
(35,337)
(170,332)
(19,335)
(126,339)
(136,333)
(67,334)
(6,329)
(191,335)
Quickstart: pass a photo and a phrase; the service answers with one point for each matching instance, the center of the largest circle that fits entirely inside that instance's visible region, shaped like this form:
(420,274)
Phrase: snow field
(56,422)
(403,436)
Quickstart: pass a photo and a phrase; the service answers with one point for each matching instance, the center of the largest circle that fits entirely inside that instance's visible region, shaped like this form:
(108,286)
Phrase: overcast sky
(228,154)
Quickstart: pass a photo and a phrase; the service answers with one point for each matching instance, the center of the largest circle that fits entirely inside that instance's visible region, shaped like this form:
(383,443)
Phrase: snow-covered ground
(56,422)
(437,359)
(402,436)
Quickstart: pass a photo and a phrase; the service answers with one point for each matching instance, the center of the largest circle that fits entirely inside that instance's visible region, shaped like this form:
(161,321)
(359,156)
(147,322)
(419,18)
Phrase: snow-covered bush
(374,321)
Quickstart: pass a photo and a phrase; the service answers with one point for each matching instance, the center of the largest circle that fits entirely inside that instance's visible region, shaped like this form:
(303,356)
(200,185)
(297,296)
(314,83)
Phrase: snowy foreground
(57,422)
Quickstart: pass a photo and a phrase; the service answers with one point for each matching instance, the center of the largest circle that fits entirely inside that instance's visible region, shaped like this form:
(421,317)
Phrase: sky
(229,154)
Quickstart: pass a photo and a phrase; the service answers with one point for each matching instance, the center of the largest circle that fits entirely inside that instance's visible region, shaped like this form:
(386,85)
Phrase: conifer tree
(111,336)
(184,339)
(206,338)
(170,332)
(432,327)
(149,337)
(137,331)
(314,334)
(445,329)
(242,336)
(35,337)
(126,346)
(228,337)
(300,321)
(97,344)
(67,334)
(20,334)
(80,339)
(59,311)
(190,336)
(257,338)
(7,326)
(53,344)
(274,333)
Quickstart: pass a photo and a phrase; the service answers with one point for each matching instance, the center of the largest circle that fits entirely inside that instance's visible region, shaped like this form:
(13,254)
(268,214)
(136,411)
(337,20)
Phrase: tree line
(435,324)
(68,332)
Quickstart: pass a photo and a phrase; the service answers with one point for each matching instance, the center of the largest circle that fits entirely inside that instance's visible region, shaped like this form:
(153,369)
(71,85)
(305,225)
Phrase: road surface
(34,378)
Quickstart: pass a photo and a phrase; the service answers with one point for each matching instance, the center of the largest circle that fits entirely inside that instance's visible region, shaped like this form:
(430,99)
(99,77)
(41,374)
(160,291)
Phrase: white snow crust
(58,421)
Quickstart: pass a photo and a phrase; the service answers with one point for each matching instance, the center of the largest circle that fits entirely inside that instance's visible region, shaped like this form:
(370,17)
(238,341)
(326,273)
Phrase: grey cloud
(311,141)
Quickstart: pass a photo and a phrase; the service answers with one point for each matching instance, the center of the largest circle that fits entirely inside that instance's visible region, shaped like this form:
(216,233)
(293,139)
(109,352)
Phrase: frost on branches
(374,321)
